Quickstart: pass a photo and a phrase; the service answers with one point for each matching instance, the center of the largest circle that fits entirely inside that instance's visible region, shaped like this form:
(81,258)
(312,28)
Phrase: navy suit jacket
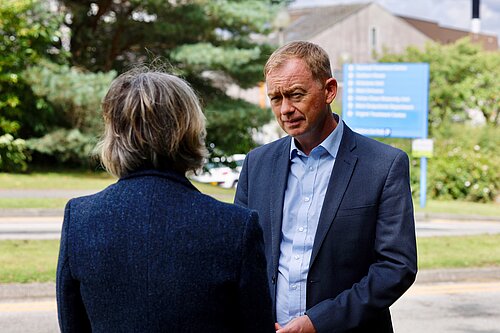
(364,253)
(152,254)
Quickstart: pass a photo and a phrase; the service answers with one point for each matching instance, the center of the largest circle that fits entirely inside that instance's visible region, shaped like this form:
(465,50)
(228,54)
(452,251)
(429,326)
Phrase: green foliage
(231,124)
(481,89)
(63,180)
(464,166)
(461,77)
(75,94)
(28,33)
(13,154)
(220,47)
(23,261)
(112,35)
(458,251)
(65,147)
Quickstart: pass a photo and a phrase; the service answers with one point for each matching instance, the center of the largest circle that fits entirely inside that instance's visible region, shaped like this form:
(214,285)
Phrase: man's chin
(294,131)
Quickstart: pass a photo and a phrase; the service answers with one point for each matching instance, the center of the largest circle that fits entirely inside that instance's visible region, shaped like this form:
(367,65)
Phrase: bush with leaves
(28,32)
(74,93)
(461,77)
(464,166)
(222,46)
(65,147)
(231,124)
(13,154)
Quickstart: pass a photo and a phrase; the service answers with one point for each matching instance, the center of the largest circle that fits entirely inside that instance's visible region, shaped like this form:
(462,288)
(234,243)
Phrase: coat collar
(166,173)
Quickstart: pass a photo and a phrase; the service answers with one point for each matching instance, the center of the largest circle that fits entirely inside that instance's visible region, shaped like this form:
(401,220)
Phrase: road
(466,307)
(449,307)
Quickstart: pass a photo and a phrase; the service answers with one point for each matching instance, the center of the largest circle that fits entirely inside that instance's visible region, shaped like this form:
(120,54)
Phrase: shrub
(464,166)
(13,154)
(75,94)
(65,147)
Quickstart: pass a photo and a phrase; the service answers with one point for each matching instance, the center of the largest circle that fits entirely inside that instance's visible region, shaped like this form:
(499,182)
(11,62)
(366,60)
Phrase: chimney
(476,22)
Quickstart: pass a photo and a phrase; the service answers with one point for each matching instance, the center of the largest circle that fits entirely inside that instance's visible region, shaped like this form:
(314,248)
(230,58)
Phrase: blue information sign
(386,99)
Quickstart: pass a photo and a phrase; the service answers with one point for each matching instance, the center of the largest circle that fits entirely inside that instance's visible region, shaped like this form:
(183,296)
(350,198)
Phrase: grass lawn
(28,260)
(96,181)
(35,260)
(68,180)
(48,203)
(459,207)
(459,251)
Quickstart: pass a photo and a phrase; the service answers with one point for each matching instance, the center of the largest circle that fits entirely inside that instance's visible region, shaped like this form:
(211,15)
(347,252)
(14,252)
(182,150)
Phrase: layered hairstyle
(151,120)
(313,55)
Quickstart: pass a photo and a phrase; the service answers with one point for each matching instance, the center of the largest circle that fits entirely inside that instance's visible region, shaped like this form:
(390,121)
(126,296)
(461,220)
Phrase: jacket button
(273,280)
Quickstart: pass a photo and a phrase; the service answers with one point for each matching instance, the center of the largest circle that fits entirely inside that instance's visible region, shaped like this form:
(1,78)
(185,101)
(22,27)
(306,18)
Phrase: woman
(150,253)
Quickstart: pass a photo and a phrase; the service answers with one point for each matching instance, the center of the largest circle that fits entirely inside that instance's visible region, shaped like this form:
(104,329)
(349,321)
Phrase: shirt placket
(301,240)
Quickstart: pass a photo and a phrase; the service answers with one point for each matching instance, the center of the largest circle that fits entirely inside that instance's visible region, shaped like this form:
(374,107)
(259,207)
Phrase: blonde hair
(152,120)
(314,56)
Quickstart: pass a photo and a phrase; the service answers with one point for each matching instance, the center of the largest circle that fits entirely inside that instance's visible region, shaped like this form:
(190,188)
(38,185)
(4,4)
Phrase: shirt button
(306,199)
(297,257)
(301,229)
(311,168)
(293,286)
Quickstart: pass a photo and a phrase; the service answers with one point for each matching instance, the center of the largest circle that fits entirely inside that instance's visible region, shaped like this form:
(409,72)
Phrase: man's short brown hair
(314,56)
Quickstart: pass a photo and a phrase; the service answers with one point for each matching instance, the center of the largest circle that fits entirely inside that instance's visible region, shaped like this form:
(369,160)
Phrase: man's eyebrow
(285,91)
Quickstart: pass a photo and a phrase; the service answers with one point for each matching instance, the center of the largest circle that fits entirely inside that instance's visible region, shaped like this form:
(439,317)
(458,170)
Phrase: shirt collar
(331,144)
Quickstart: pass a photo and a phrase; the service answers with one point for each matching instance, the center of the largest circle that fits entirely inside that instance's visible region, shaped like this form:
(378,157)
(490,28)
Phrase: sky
(448,13)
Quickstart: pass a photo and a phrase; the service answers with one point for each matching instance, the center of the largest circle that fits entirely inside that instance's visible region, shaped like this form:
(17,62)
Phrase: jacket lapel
(339,180)
(279,176)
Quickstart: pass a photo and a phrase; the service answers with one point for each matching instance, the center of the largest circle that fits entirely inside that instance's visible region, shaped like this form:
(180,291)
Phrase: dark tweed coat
(152,254)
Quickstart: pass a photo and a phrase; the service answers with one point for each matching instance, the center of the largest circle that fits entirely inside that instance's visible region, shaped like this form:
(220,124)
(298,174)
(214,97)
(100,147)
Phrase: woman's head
(152,120)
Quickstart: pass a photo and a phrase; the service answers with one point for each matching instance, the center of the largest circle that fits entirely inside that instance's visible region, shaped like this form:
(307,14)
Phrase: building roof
(308,22)
(446,35)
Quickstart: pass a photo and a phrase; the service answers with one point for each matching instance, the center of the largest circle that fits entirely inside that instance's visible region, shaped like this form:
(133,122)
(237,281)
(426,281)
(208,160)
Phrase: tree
(75,94)
(210,43)
(28,33)
(481,89)
(461,77)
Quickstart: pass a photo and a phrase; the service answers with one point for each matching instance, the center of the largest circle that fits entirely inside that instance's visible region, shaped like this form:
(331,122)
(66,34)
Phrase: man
(335,206)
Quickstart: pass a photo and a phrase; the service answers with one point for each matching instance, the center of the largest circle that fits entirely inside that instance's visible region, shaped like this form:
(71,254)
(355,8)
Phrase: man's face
(300,102)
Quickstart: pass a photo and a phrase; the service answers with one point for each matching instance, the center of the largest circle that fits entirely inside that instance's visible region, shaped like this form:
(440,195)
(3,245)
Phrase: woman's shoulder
(217,207)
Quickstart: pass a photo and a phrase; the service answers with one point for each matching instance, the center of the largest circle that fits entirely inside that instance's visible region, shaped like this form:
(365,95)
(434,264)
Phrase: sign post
(388,100)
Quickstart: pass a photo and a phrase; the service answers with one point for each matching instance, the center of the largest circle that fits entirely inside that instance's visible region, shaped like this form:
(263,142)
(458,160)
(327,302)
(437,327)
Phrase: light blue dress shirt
(305,192)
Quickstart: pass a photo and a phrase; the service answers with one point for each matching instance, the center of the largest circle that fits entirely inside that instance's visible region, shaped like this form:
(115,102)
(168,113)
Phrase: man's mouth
(292,122)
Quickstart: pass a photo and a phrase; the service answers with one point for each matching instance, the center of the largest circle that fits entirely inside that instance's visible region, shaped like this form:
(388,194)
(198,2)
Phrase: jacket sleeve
(70,308)
(395,265)
(255,307)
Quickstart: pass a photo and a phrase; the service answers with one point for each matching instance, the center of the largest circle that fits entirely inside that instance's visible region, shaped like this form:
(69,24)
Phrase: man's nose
(286,106)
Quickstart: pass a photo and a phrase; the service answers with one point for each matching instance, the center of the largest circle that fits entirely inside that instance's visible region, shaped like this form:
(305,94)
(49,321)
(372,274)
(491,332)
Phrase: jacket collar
(165,173)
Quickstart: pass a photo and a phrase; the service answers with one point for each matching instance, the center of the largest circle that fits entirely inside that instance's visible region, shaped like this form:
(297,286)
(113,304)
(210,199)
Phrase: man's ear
(330,90)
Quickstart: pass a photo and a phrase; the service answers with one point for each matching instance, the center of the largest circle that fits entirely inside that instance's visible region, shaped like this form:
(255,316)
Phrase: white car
(218,172)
